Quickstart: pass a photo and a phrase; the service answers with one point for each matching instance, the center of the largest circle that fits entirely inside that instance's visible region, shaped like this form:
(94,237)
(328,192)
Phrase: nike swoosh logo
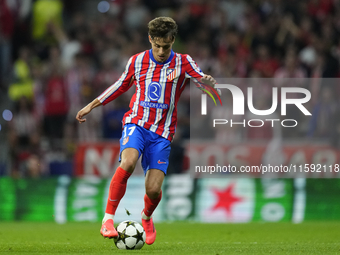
(113,200)
(161,162)
(142,75)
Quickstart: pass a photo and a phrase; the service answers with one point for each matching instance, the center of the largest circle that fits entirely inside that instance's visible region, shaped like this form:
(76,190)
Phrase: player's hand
(86,110)
(208,79)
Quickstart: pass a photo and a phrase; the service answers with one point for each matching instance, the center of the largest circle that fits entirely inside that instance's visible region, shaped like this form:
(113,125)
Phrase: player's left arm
(209,80)
(194,72)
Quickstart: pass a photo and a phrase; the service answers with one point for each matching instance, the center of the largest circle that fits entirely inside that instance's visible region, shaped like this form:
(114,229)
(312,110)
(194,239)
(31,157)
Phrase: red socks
(117,189)
(151,204)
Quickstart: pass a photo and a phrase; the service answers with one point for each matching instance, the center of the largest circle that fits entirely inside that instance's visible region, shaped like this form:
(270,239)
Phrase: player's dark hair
(162,27)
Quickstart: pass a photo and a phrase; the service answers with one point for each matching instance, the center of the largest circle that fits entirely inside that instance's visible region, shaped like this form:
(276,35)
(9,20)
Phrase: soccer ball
(131,235)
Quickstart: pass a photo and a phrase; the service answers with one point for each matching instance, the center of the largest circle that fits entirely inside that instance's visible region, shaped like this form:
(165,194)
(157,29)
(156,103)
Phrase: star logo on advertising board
(226,199)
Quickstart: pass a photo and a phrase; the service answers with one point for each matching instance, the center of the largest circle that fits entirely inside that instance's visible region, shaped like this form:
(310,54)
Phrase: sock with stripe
(116,192)
(150,205)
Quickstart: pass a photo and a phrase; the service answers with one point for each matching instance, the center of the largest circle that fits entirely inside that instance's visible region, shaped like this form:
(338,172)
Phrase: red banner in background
(101,159)
(98,159)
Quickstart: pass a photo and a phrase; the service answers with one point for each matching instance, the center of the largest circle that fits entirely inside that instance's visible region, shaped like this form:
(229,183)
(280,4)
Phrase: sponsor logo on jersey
(153,105)
(154,91)
(161,162)
(171,74)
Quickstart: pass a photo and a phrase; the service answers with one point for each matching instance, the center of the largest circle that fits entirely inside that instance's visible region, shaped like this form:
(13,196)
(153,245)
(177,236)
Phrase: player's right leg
(131,147)
(117,190)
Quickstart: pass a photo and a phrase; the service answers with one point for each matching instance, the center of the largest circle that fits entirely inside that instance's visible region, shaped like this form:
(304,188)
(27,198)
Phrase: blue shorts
(155,148)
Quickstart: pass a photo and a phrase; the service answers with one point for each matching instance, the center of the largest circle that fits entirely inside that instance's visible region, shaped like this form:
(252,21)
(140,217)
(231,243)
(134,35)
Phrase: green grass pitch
(175,238)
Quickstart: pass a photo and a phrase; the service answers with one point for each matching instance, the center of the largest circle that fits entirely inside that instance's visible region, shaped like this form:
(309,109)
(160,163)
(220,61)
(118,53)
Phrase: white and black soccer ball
(131,235)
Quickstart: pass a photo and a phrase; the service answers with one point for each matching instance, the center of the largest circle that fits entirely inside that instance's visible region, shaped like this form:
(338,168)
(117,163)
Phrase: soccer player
(160,76)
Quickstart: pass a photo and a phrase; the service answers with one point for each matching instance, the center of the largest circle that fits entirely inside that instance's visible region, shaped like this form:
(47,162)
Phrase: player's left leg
(155,163)
(153,183)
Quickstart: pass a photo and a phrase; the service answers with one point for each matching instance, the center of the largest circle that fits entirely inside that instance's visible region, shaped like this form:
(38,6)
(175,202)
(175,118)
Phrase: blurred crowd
(54,59)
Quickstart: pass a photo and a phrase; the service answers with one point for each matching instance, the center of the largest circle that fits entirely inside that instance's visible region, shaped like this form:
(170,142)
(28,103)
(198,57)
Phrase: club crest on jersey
(171,74)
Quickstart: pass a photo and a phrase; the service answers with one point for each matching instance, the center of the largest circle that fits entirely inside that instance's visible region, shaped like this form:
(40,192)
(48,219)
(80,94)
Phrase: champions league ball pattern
(131,235)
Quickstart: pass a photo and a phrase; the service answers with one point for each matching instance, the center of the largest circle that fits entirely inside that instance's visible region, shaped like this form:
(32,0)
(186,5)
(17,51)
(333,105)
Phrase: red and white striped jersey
(158,88)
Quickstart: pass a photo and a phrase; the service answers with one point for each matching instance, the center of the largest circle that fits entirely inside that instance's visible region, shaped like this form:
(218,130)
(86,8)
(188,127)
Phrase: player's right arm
(119,87)
(122,85)
(87,109)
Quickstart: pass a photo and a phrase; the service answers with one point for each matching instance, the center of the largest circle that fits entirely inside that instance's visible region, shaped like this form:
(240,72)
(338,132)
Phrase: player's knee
(128,165)
(153,192)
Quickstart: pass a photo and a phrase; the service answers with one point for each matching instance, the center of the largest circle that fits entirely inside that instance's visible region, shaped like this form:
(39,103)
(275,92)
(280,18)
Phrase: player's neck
(168,58)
